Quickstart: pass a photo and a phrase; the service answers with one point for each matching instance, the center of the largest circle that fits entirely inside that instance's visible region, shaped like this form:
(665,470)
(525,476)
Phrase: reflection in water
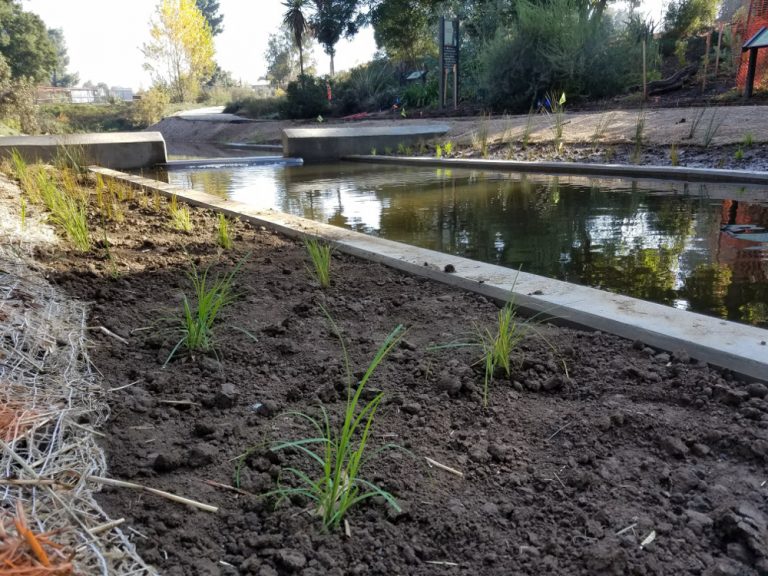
(660,241)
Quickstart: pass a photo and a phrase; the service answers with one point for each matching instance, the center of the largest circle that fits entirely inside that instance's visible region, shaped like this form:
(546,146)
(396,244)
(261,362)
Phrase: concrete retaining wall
(329,144)
(117,150)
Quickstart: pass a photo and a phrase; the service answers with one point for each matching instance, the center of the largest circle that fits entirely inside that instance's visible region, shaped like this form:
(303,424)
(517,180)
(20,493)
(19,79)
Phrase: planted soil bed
(563,474)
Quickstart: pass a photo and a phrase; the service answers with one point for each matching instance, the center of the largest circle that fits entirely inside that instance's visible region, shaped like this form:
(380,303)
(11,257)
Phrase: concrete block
(116,150)
(329,144)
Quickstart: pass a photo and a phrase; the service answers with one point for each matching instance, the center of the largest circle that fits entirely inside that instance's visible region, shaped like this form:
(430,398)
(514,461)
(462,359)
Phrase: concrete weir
(118,150)
(737,347)
(329,144)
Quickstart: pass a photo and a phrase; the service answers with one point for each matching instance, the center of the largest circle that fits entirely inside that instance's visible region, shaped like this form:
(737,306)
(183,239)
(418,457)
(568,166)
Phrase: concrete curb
(646,172)
(737,347)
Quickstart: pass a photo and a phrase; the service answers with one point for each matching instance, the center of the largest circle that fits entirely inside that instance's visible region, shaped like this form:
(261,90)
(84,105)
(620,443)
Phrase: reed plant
(525,139)
(338,452)
(223,237)
(181,218)
(320,255)
(199,316)
(674,155)
(557,109)
(481,137)
(639,138)
(438,151)
(748,139)
(712,127)
(694,125)
(68,210)
(448,148)
(604,121)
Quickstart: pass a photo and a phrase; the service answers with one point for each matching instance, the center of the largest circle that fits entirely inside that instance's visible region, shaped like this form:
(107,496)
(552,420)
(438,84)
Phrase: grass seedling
(341,452)
(498,344)
(448,148)
(373,151)
(388,151)
(480,139)
(557,108)
(748,140)
(674,155)
(637,151)
(320,254)
(401,148)
(603,122)
(696,121)
(528,130)
(739,154)
(438,151)
(69,211)
(199,317)
(713,126)
(223,238)
(180,216)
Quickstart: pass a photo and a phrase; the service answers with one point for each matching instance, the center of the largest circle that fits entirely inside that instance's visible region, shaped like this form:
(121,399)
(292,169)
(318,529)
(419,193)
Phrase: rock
(757,390)
(529,551)
(674,446)
(201,455)
(700,449)
(226,397)
(411,408)
(292,559)
(449,383)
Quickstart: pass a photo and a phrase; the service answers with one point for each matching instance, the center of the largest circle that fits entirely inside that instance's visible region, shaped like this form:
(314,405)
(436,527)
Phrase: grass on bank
(223,236)
(338,452)
(181,218)
(320,256)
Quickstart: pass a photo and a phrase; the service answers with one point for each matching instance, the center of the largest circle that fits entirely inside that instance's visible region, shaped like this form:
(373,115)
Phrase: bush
(367,88)
(306,97)
(17,101)
(418,95)
(685,18)
(150,108)
(254,107)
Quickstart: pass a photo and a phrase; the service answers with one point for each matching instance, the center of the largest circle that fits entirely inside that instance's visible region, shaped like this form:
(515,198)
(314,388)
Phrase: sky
(104,38)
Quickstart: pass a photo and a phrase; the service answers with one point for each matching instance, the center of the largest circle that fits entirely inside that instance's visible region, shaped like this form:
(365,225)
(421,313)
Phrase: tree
(296,22)
(210,10)
(59,74)
(283,58)
(332,19)
(17,100)
(685,18)
(403,29)
(24,43)
(180,54)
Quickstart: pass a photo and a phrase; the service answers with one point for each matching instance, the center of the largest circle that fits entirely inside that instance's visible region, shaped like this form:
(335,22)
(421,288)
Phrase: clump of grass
(497,344)
(373,151)
(68,211)
(695,123)
(557,108)
(480,139)
(448,148)
(748,140)
(603,122)
(320,254)
(739,154)
(223,237)
(528,130)
(639,138)
(180,216)
(674,155)
(388,151)
(200,315)
(438,151)
(713,126)
(339,453)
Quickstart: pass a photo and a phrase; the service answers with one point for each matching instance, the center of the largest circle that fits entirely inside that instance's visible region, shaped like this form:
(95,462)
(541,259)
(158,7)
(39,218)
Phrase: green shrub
(420,95)
(150,108)
(306,97)
(255,107)
(367,88)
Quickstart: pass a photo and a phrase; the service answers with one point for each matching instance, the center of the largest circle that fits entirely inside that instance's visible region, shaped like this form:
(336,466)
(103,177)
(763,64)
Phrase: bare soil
(597,455)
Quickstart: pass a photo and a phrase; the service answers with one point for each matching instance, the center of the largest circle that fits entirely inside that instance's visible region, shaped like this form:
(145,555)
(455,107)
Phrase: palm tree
(294,19)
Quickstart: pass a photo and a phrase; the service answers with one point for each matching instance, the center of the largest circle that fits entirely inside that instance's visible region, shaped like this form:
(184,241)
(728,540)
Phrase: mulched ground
(566,473)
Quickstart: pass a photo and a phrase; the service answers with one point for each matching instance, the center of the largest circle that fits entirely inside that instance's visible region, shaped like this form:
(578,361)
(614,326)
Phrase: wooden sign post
(449,59)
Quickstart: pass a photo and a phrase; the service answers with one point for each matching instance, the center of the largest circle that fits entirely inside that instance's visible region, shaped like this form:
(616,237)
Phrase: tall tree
(403,29)
(295,20)
(59,75)
(180,54)
(332,19)
(210,10)
(282,56)
(24,42)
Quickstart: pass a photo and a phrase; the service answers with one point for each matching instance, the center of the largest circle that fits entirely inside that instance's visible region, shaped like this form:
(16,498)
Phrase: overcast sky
(104,37)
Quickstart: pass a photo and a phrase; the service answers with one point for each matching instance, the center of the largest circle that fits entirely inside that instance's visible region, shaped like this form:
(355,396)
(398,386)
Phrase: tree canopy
(24,42)
(403,28)
(180,54)
(210,11)
(333,19)
(60,76)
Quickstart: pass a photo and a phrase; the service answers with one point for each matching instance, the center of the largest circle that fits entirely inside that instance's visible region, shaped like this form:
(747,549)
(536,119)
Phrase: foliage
(403,29)
(421,95)
(306,98)
(498,344)
(255,107)
(150,107)
(320,254)
(284,59)
(712,127)
(559,43)
(684,18)
(333,19)
(180,215)
(294,19)
(340,453)
(674,155)
(198,318)
(370,87)
(59,74)
(223,237)
(210,11)
(180,53)
(70,118)
(25,43)
(17,100)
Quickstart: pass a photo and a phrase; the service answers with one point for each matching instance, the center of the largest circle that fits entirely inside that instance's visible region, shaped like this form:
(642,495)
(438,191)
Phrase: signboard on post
(449,59)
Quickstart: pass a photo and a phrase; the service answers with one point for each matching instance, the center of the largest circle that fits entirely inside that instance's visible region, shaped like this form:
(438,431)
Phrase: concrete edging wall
(576,168)
(737,347)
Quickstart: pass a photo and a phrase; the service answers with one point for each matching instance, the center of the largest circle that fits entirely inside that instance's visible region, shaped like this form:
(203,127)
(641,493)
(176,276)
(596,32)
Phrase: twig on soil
(124,386)
(108,332)
(558,479)
(226,487)
(106,527)
(347,529)
(168,495)
(563,427)
(440,563)
(437,464)
(627,529)
(179,402)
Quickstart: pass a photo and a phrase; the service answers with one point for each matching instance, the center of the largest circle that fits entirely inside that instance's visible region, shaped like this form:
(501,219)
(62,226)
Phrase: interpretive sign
(449,59)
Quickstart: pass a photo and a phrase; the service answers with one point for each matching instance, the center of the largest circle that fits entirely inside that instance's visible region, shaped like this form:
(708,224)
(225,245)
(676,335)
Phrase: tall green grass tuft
(481,138)
(639,138)
(199,316)
(180,216)
(339,453)
(223,238)
(320,255)
(68,210)
(557,108)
